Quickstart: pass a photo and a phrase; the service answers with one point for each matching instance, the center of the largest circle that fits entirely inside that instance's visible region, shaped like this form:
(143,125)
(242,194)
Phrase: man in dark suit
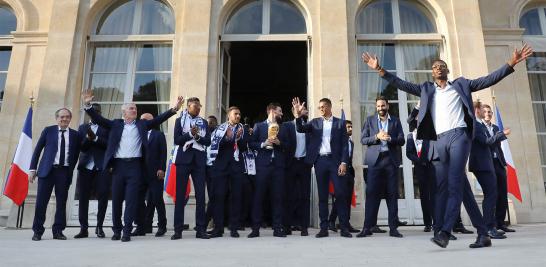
(192,136)
(500,169)
(383,135)
(92,175)
(481,164)
(446,116)
(228,142)
(328,152)
(270,163)
(124,157)
(297,187)
(213,123)
(60,146)
(152,184)
(350,184)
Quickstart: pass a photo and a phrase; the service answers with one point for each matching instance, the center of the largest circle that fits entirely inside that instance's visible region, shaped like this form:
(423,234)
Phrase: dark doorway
(264,72)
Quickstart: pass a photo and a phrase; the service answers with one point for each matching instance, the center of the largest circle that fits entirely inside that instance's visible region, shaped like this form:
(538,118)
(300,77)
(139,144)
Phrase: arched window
(122,67)
(403,34)
(8,23)
(266,17)
(534,23)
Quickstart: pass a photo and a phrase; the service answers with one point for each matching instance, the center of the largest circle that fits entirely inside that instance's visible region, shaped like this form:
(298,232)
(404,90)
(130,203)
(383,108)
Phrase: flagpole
(21,209)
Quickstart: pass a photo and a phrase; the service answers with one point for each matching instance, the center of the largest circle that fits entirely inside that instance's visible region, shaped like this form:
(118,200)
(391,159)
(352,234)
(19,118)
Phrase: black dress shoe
(377,230)
(82,234)
(201,235)
(216,233)
(304,232)
(116,237)
(254,233)
(506,229)
(402,223)
(345,233)
(160,232)
(352,229)
(500,231)
(481,242)
(36,237)
(494,234)
(462,230)
(125,238)
(138,232)
(322,233)
(395,233)
(441,239)
(332,227)
(427,229)
(234,234)
(59,236)
(452,237)
(364,233)
(99,232)
(186,227)
(297,228)
(287,231)
(278,233)
(149,230)
(176,236)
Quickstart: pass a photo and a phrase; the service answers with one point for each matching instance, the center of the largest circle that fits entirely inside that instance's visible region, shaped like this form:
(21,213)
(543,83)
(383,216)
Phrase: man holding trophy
(271,144)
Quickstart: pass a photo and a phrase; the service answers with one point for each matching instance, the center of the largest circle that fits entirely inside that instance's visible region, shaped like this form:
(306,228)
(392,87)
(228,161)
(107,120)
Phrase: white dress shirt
(326,136)
(383,125)
(489,127)
(91,164)
(447,109)
(130,144)
(300,144)
(66,143)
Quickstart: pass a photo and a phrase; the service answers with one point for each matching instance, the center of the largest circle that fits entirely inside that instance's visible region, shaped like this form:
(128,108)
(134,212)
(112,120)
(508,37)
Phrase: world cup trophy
(272,132)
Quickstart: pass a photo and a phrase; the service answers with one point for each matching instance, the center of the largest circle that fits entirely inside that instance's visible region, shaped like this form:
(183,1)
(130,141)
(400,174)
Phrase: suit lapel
(390,126)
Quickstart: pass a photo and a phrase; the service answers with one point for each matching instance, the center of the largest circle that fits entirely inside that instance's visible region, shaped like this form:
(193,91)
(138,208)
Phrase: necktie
(61,156)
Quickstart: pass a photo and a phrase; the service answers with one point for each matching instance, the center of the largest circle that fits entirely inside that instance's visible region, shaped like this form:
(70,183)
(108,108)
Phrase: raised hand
(239,133)
(507,131)
(298,106)
(371,60)
(179,103)
(88,96)
(520,55)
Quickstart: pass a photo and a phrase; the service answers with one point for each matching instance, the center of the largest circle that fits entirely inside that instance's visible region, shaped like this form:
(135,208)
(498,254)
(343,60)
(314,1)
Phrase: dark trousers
(326,170)
(154,201)
(488,182)
(247,197)
(350,187)
(210,193)
(502,193)
(126,180)
(268,177)
(425,177)
(198,174)
(383,175)
(101,181)
(228,180)
(60,179)
(297,195)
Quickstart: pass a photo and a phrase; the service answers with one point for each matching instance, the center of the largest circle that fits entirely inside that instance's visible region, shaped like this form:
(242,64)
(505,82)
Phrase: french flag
(17,181)
(170,177)
(512,176)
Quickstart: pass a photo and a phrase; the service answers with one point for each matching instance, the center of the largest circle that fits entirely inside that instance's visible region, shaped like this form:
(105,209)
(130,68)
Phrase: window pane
(375,18)
(109,111)
(108,87)
(5,54)
(154,110)
(286,18)
(413,18)
(540,116)
(3,76)
(537,62)
(542,148)
(152,87)
(537,83)
(385,53)
(419,56)
(8,21)
(157,18)
(154,58)
(246,19)
(530,22)
(118,19)
(544,176)
(110,58)
(372,86)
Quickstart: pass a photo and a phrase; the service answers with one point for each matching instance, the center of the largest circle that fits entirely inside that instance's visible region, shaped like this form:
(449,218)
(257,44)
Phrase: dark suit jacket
(186,157)
(116,129)
(371,128)
(496,148)
(226,150)
(481,155)
(463,86)
(338,141)
(156,153)
(411,151)
(290,130)
(48,142)
(92,150)
(259,135)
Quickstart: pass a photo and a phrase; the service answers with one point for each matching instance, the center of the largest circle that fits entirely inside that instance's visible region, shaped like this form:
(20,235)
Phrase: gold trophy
(272,132)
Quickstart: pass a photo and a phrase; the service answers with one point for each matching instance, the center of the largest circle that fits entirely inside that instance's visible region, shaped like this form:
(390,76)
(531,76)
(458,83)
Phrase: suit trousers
(488,182)
(101,182)
(58,178)
(297,195)
(229,180)
(426,179)
(183,173)
(268,177)
(326,170)
(502,193)
(155,201)
(126,180)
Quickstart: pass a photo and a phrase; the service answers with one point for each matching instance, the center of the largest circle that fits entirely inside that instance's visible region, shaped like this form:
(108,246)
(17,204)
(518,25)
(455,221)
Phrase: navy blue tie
(61,156)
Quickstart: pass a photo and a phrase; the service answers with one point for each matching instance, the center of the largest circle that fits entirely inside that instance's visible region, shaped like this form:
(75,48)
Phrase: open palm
(371,60)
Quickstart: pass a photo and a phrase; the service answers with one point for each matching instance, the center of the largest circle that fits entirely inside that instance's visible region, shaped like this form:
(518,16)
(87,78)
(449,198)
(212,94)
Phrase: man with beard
(383,135)
(227,143)
(328,152)
(270,163)
(446,116)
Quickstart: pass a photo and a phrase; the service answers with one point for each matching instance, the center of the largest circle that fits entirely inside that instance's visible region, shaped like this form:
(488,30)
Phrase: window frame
(7,41)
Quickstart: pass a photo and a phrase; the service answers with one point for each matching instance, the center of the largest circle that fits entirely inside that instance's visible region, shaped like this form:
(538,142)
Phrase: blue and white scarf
(215,139)
(186,123)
